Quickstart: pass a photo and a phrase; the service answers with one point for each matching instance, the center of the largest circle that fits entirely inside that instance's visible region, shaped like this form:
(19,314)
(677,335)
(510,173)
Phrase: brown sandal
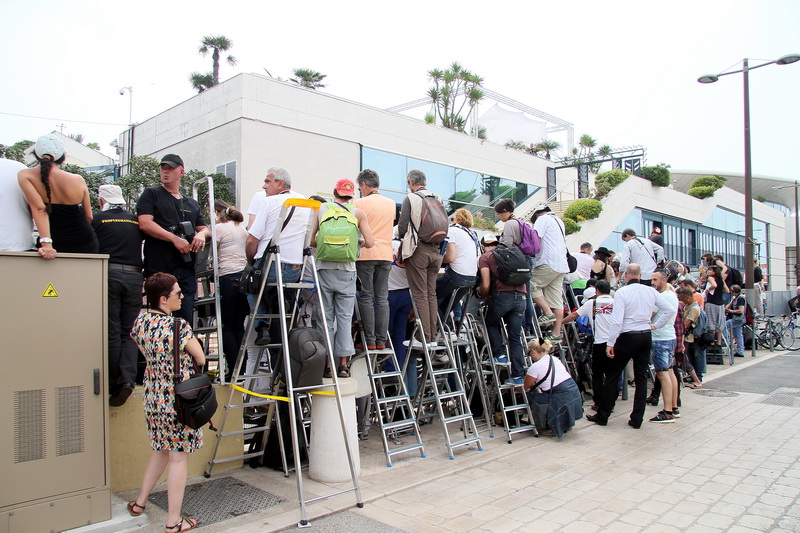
(177,528)
(133,506)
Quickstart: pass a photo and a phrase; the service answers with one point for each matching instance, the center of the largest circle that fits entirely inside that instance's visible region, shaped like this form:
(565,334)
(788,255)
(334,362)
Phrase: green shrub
(605,182)
(484,223)
(709,181)
(585,209)
(658,175)
(702,192)
(570,226)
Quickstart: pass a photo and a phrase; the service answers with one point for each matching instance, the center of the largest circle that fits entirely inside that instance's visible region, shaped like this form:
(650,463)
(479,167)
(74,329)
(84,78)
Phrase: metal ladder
(442,382)
(394,410)
(294,395)
(511,400)
(206,323)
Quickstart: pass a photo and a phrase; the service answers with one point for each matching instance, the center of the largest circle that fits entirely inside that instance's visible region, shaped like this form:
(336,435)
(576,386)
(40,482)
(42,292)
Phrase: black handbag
(195,399)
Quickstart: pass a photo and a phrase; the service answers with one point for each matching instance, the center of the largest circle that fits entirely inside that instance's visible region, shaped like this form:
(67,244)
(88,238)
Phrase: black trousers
(634,346)
(124,304)
(599,370)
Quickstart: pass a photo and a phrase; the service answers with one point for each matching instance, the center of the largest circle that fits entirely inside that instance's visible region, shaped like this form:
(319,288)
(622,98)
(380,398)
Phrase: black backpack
(735,277)
(512,266)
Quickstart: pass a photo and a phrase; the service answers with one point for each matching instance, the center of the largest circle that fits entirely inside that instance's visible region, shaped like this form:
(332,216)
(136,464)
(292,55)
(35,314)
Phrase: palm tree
(216,43)
(587,143)
(517,145)
(547,146)
(310,79)
(201,82)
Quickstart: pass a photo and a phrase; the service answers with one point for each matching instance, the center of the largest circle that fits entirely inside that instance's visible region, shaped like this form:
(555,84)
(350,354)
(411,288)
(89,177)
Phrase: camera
(184,229)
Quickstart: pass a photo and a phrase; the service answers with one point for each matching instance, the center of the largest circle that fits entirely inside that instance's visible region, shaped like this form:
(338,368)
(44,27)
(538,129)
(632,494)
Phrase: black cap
(172,160)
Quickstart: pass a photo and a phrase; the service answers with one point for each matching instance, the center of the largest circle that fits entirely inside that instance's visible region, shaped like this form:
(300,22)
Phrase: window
(229,169)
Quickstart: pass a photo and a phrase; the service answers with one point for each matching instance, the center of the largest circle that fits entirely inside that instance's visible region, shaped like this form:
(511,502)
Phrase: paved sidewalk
(729,464)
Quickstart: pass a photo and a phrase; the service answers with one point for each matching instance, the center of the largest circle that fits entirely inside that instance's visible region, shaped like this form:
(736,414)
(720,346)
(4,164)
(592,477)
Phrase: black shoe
(597,420)
(119,398)
(634,426)
(652,400)
(263,338)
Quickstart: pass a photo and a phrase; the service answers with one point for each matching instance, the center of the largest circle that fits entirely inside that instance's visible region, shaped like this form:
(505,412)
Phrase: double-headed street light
(748,177)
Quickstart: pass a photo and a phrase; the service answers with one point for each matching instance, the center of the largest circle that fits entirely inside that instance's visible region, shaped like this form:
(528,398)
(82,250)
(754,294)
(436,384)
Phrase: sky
(624,72)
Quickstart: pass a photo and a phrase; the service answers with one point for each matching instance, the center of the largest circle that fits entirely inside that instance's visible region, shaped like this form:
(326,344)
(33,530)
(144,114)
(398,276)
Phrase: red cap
(345,188)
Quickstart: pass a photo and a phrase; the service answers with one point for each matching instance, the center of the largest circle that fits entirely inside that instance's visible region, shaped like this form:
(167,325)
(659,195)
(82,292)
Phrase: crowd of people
(389,265)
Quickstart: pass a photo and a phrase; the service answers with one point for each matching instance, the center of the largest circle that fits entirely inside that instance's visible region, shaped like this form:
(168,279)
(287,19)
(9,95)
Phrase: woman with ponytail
(59,202)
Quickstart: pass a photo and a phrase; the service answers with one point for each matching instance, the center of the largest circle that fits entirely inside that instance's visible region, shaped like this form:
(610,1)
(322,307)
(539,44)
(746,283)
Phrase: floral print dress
(153,333)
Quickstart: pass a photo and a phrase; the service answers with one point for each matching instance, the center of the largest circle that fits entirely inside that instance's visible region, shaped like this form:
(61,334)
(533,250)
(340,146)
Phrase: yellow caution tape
(279,398)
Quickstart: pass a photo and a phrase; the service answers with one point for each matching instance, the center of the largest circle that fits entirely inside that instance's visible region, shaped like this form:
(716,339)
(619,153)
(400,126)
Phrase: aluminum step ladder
(393,408)
(442,383)
(298,397)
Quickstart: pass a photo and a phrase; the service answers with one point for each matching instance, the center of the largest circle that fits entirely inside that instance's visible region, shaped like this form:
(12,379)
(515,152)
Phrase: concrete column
(327,458)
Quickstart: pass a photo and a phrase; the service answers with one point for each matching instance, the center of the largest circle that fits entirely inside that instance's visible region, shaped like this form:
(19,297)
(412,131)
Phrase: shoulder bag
(539,410)
(195,399)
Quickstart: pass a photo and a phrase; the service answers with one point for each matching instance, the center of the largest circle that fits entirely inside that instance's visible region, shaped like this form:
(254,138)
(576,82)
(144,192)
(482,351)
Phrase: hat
(345,188)
(172,160)
(49,145)
(540,207)
(111,194)
(489,238)
(603,251)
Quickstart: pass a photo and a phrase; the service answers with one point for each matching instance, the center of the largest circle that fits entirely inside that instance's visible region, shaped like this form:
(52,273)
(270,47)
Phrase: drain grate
(220,499)
(785,396)
(714,393)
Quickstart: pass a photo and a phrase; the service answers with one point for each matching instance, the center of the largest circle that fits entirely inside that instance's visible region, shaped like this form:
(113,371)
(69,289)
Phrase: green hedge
(658,175)
(570,226)
(702,192)
(709,181)
(605,182)
(585,209)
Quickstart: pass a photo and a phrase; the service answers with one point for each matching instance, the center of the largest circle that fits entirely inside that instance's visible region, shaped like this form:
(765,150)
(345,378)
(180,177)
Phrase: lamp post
(130,104)
(748,177)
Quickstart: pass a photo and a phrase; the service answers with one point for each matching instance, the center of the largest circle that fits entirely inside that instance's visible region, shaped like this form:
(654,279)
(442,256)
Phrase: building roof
(762,185)
(77,154)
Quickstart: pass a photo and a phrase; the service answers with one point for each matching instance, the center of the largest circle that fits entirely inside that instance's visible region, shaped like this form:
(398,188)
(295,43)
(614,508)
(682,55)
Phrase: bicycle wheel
(786,337)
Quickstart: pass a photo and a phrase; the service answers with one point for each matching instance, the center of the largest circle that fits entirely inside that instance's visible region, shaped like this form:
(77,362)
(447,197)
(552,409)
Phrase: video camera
(184,229)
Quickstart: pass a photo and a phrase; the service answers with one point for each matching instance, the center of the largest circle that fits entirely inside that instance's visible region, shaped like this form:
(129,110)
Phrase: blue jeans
(337,291)
(452,282)
(528,322)
(399,310)
(738,333)
(290,274)
(508,306)
(373,301)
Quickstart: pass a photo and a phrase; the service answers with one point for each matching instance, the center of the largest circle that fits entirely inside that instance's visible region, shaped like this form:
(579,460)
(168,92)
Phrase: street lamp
(748,177)
(130,105)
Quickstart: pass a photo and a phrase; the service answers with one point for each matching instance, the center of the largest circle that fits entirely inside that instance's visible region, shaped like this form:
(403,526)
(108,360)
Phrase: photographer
(174,231)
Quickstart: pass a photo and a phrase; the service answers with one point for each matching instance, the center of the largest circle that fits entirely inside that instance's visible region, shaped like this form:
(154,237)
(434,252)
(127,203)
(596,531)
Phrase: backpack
(703,335)
(433,220)
(337,239)
(529,243)
(735,277)
(749,315)
(512,266)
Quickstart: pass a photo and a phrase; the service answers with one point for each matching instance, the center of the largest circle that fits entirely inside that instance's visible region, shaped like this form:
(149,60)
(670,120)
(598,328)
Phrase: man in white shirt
(664,349)
(277,184)
(549,268)
(16,229)
(642,252)
(255,206)
(630,338)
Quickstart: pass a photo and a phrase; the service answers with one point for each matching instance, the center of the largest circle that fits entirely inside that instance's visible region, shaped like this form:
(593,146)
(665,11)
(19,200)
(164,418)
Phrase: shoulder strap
(549,371)
(652,255)
(471,236)
(175,349)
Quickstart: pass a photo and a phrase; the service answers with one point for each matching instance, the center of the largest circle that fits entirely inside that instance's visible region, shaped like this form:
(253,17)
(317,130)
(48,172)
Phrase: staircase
(556,207)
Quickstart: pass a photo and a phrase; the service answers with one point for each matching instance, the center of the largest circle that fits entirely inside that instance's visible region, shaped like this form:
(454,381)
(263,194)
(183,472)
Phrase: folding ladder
(294,394)
(441,382)
(206,323)
(393,408)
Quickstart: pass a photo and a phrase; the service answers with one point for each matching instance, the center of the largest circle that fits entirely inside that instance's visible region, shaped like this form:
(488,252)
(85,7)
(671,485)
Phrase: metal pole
(749,270)
(796,235)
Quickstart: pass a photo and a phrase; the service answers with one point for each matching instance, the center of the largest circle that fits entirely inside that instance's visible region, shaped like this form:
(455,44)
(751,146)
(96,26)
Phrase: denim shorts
(663,355)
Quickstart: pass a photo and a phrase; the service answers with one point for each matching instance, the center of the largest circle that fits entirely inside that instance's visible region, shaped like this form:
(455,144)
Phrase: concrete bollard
(327,458)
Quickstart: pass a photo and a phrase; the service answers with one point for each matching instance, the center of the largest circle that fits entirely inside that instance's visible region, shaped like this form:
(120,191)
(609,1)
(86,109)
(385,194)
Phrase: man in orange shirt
(696,295)
(374,263)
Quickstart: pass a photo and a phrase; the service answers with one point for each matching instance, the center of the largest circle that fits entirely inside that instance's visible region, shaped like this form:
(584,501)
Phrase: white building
(249,123)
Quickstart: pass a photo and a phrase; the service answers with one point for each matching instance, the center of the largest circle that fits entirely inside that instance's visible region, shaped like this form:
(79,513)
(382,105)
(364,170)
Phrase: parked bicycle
(770,333)
(790,332)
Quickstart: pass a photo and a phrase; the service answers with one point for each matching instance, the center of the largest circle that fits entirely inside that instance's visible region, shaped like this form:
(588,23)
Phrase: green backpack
(337,237)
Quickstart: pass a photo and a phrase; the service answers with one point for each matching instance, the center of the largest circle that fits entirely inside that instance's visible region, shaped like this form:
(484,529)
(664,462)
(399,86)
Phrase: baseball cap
(345,188)
(49,145)
(541,207)
(172,160)
(489,238)
(111,194)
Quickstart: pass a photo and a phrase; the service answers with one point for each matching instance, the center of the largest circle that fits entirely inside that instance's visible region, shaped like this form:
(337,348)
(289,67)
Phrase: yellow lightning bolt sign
(50,292)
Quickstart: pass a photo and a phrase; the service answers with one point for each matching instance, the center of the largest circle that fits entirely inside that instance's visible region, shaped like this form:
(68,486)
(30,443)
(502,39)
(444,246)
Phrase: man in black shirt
(120,237)
(167,218)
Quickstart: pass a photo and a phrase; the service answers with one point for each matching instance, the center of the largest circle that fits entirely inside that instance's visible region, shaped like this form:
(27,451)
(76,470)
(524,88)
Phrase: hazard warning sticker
(50,292)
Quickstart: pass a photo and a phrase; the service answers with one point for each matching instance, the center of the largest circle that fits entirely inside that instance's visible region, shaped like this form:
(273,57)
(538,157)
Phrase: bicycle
(771,335)
(790,340)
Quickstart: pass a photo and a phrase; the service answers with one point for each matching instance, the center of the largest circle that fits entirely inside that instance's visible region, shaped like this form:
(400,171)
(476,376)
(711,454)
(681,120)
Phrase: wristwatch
(45,240)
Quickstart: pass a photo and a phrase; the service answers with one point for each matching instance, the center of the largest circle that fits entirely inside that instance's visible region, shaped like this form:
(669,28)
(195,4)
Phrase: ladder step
(520,407)
(391,399)
(204,300)
(248,431)
(205,329)
(520,429)
(399,423)
(259,375)
(456,418)
(406,448)
(464,442)
(388,374)
(294,285)
(237,458)
(443,371)
(271,315)
(256,403)
(452,394)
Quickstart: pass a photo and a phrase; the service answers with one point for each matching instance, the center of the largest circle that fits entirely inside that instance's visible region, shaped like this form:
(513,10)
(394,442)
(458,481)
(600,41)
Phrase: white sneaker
(414,344)
(442,357)
(432,345)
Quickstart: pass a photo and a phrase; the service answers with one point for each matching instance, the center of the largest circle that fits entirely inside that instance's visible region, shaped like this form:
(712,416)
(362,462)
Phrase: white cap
(49,145)
(541,207)
(111,194)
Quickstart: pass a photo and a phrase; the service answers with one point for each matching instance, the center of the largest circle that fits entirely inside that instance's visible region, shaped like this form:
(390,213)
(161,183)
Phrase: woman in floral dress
(172,442)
